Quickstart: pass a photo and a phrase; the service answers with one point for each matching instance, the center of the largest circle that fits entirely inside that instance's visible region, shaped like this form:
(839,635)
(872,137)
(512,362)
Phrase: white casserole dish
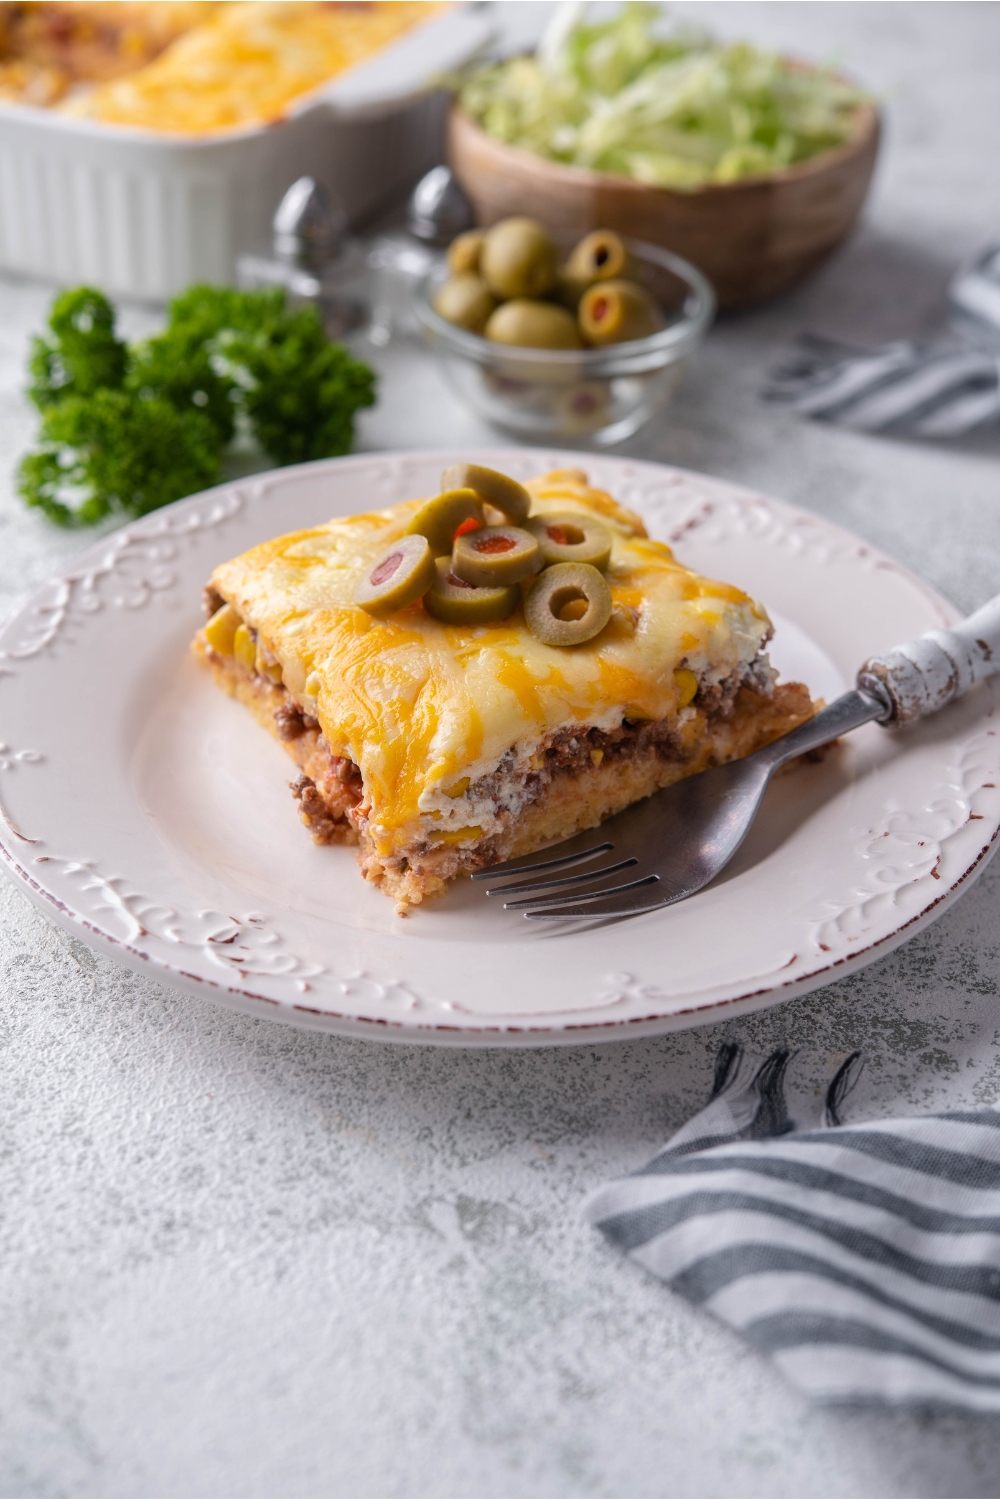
(142,214)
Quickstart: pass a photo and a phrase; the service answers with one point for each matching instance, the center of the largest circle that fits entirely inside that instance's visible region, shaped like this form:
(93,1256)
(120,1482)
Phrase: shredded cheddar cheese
(424,708)
(248,63)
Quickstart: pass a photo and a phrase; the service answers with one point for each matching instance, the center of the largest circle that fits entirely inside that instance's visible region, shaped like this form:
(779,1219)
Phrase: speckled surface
(242,1260)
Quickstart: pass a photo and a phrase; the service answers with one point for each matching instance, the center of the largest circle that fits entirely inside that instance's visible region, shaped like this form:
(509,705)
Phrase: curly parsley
(127,428)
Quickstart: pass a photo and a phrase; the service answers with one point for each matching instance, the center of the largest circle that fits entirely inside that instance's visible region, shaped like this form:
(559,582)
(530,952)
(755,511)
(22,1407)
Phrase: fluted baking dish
(142,214)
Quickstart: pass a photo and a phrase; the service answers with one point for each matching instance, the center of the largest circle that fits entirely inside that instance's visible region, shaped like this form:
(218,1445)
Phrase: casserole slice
(439,749)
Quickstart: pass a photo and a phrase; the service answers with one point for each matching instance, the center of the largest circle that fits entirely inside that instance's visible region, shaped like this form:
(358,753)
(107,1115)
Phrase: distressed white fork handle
(668,847)
(924,675)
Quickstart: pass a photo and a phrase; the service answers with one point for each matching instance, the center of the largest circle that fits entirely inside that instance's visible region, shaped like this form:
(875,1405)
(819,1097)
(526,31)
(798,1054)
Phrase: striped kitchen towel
(863,1259)
(935,390)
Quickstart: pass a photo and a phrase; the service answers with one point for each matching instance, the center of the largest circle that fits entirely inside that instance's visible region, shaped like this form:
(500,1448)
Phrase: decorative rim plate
(149,814)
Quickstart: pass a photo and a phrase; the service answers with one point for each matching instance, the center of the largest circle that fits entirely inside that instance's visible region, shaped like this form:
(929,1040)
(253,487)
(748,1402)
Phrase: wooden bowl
(753,239)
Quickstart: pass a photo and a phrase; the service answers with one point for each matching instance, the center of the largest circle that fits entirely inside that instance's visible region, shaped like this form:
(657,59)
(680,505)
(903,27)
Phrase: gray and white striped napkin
(937,389)
(863,1259)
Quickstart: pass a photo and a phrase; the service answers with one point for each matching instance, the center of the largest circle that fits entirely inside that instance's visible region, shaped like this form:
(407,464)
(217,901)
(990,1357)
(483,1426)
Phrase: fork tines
(562,876)
(630,900)
(534,865)
(579,903)
(551,882)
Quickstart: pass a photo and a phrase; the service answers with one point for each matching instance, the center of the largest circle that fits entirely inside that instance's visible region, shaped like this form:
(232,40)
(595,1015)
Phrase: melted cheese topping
(48,45)
(248,63)
(419,705)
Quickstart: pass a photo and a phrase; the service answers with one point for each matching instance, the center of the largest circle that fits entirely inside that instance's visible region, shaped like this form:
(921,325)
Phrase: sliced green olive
(401,576)
(518,259)
(466,301)
(614,312)
(567,604)
(600,256)
(571,537)
(463,252)
(497,489)
(495,555)
(440,518)
(529,324)
(456,602)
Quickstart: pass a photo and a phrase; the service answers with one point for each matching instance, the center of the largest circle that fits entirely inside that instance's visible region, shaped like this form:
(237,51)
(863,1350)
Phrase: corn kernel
(266,663)
(245,648)
(624,618)
(596,756)
(221,628)
(687,685)
(458,789)
(310,694)
(457,835)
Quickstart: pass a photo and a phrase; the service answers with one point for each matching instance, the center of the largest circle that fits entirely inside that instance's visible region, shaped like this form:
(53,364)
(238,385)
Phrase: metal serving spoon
(672,844)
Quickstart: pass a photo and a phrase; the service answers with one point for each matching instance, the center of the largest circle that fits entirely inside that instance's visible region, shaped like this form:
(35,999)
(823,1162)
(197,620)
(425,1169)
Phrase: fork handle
(919,678)
(849,711)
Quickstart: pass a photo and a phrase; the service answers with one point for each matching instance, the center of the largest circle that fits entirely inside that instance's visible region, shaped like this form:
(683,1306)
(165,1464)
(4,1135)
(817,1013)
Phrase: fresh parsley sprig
(127,428)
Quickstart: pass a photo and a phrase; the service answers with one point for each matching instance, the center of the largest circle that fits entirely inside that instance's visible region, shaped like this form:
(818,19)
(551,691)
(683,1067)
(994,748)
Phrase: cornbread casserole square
(439,749)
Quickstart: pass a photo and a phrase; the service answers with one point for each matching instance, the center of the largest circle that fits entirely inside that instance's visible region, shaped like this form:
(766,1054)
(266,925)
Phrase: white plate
(148,813)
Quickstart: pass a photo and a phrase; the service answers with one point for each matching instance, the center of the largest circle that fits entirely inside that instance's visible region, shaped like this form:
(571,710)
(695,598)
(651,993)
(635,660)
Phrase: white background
(239,1260)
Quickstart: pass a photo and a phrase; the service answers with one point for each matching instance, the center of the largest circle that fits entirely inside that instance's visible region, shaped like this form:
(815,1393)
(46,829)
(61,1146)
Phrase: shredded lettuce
(677,110)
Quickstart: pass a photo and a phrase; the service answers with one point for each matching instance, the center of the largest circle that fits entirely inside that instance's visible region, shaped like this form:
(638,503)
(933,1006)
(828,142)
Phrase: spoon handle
(921,677)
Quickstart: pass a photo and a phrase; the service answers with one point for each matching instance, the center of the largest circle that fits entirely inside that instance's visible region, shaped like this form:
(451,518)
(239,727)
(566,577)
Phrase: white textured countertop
(243,1260)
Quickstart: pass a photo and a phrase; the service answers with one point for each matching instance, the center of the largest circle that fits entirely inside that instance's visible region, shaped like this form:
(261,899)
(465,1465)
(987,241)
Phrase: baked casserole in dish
(189,69)
(147,146)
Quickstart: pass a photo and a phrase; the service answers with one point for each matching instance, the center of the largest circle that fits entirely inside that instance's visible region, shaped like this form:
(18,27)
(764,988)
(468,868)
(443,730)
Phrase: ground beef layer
(576,778)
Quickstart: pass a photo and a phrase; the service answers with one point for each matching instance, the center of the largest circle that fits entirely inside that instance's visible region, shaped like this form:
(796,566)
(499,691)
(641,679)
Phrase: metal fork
(674,843)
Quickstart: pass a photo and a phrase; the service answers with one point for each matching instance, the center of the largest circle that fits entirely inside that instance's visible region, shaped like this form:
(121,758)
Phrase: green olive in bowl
(518,259)
(600,256)
(533,325)
(466,301)
(464,251)
(616,312)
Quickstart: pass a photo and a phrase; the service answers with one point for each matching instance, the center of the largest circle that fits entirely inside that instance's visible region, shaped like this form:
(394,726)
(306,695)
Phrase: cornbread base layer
(578,775)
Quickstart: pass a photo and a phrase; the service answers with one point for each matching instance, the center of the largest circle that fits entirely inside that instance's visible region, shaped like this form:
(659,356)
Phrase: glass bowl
(597,396)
